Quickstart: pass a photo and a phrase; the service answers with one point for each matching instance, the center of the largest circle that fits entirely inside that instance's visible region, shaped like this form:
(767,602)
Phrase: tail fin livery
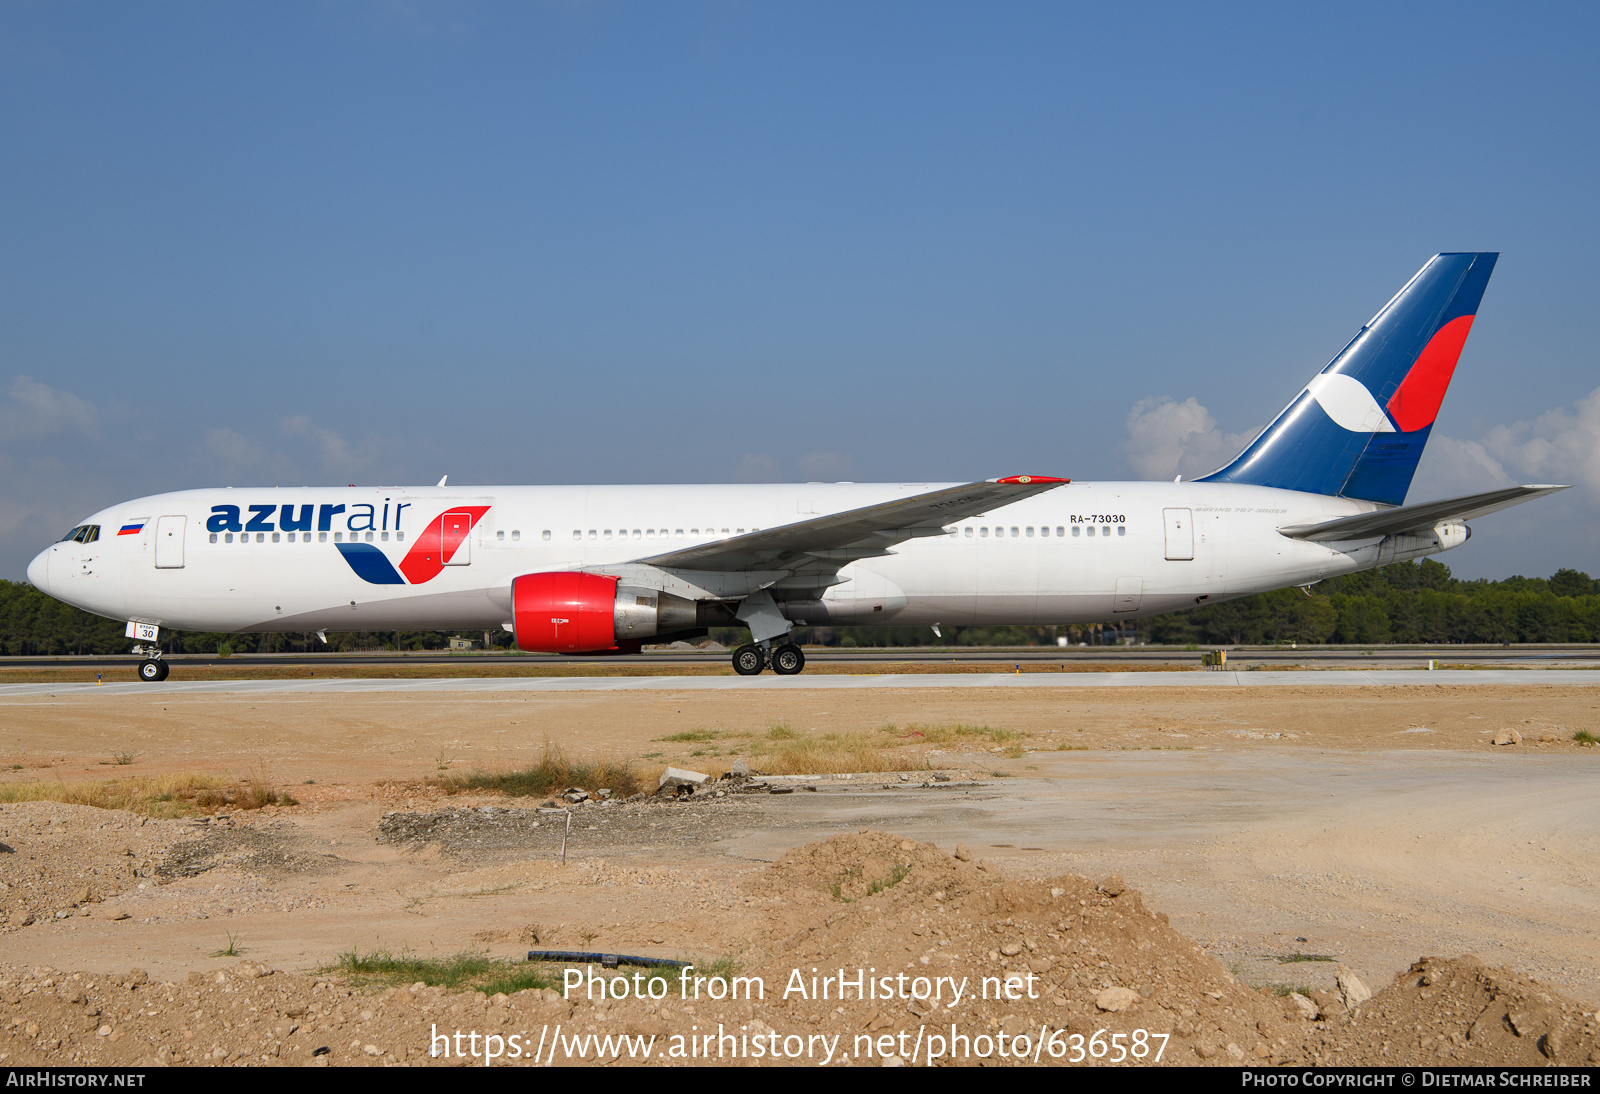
(1358,428)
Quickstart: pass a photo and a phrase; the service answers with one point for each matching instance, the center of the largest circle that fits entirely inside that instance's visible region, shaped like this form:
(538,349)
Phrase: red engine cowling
(566,612)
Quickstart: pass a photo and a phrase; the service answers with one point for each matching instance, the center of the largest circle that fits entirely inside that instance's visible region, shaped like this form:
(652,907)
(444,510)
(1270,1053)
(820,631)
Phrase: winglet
(1023,480)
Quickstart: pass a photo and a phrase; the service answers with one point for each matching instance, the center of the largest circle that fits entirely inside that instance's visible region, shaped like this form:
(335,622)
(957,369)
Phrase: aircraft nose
(39,572)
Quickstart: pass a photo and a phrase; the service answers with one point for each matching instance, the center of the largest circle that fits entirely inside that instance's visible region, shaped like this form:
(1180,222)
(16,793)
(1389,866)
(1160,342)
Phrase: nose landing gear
(152,670)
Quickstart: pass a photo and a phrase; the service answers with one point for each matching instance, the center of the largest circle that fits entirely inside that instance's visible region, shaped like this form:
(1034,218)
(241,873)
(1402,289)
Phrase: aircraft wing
(856,533)
(1418,518)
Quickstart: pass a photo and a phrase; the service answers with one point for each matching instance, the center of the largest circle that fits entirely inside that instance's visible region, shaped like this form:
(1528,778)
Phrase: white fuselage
(1085,552)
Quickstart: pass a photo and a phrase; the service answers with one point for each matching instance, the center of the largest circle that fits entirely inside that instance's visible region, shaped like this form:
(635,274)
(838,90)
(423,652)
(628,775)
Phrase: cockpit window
(83,533)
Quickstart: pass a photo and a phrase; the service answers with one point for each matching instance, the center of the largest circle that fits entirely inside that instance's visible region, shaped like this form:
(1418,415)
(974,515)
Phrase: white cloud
(231,448)
(1167,438)
(824,466)
(1559,446)
(757,468)
(33,410)
(1451,468)
(336,456)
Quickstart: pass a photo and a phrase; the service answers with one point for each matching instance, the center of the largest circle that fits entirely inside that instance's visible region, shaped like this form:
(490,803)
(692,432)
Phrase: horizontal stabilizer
(885,524)
(1417,518)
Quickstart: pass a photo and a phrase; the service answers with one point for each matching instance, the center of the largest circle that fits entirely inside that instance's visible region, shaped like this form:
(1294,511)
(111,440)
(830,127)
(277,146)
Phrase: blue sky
(569,242)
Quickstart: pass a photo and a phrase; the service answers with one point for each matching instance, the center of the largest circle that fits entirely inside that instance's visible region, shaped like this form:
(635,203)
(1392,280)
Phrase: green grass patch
(1584,737)
(464,971)
(852,878)
(690,736)
(472,971)
(1284,990)
(1294,958)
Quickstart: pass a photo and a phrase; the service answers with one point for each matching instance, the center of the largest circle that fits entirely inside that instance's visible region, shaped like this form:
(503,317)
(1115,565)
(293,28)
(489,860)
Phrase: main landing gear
(152,670)
(786,660)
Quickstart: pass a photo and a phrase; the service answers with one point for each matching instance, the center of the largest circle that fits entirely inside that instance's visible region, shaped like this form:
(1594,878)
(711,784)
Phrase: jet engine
(571,612)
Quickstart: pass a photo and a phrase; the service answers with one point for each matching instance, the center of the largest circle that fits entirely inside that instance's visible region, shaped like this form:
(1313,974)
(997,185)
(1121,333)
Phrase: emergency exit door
(1180,534)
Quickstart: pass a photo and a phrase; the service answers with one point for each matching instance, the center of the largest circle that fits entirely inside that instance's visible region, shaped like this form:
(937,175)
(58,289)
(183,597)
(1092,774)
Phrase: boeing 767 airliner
(571,569)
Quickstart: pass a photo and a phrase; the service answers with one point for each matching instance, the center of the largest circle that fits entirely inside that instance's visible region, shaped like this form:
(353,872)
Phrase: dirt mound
(1077,956)
(1459,1012)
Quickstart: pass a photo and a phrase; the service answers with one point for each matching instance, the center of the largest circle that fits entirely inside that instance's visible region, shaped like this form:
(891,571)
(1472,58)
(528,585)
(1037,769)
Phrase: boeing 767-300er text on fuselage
(572,569)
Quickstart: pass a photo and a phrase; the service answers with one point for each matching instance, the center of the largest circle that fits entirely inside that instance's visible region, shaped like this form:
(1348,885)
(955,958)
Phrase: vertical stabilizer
(1358,428)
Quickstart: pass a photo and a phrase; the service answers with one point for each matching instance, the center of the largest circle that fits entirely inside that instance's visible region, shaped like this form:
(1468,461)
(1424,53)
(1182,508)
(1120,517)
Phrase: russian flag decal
(133,527)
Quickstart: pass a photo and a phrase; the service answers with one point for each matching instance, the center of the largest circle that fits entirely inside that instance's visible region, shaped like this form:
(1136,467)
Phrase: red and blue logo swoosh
(435,548)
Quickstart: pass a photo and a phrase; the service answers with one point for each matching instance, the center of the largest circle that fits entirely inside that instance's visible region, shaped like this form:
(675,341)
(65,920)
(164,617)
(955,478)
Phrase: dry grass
(951,735)
(552,774)
(833,754)
(781,749)
(154,795)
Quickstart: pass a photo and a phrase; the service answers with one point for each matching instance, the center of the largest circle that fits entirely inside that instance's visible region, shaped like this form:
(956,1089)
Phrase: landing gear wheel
(153,672)
(748,661)
(787,660)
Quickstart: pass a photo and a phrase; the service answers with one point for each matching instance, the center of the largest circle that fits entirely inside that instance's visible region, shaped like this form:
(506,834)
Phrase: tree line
(1408,602)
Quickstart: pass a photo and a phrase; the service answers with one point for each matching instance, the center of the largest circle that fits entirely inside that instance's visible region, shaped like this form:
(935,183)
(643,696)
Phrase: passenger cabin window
(1074,531)
(545,535)
(1122,529)
(501,534)
(516,535)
